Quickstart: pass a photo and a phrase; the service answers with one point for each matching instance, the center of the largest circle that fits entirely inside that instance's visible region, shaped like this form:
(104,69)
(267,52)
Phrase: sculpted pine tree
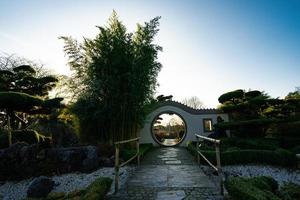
(114,77)
(23,93)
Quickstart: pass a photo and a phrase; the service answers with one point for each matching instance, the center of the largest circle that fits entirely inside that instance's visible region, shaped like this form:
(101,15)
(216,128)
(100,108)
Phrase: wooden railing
(117,158)
(217,168)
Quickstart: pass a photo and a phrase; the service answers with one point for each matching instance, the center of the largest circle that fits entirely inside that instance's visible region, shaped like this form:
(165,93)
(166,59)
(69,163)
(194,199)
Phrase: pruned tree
(114,76)
(193,102)
(22,94)
(253,112)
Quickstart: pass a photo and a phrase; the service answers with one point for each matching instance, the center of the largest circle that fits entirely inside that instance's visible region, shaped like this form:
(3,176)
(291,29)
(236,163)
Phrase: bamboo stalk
(126,141)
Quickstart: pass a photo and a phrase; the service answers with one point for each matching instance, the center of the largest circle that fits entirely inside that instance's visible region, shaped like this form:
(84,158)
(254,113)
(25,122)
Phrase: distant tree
(114,77)
(193,102)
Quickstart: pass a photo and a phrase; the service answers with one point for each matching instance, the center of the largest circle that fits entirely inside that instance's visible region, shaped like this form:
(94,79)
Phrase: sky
(209,47)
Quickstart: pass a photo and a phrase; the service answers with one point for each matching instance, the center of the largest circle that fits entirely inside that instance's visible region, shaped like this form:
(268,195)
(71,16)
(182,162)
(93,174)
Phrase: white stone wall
(194,124)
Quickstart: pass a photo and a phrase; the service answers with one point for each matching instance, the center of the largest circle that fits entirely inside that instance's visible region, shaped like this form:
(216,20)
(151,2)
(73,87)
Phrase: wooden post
(138,151)
(197,148)
(9,130)
(219,167)
(117,166)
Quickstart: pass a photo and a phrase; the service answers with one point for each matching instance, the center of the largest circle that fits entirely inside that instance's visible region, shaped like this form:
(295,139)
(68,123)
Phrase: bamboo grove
(114,76)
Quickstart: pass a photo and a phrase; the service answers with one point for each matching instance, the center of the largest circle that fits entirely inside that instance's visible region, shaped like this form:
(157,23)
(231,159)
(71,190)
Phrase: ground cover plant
(95,191)
(260,188)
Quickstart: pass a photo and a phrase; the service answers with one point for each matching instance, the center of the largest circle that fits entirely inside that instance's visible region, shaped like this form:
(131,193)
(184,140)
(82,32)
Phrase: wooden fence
(117,158)
(217,168)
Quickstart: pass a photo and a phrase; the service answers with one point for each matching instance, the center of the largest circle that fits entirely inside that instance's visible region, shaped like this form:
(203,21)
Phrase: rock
(40,187)
(107,162)
(11,160)
(29,160)
(83,158)
(91,161)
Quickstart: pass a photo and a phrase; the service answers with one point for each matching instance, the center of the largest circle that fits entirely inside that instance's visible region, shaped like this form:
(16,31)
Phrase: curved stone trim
(187,108)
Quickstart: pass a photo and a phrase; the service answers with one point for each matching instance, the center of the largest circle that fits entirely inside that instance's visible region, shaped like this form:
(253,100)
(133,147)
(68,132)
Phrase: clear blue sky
(210,47)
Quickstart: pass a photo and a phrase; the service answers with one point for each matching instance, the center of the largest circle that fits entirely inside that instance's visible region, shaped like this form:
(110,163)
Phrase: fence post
(138,151)
(197,148)
(117,168)
(217,145)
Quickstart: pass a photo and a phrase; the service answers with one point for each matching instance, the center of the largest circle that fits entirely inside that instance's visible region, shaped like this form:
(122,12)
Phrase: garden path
(168,173)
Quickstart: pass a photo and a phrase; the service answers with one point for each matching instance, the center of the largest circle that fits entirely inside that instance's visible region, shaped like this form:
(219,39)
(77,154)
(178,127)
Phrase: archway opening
(168,129)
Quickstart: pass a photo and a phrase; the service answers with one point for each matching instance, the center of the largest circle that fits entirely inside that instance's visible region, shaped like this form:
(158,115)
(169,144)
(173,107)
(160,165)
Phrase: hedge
(257,188)
(128,153)
(251,143)
(279,157)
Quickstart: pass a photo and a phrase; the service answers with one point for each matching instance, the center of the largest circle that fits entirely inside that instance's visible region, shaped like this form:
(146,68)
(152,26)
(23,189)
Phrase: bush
(258,188)
(98,189)
(251,143)
(289,142)
(296,149)
(279,157)
(128,153)
(290,191)
(290,129)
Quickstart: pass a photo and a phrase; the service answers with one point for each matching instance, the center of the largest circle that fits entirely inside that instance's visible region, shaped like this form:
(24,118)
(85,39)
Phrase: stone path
(168,174)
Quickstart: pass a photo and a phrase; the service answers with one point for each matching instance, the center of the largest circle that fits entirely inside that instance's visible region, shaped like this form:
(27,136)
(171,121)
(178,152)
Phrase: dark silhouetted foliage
(114,77)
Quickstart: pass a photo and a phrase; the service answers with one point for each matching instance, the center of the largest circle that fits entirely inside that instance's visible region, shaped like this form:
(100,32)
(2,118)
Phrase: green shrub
(258,188)
(279,157)
(128,153)
(264,183)
(98,189)
(289,142)
(296,149)
(290,191)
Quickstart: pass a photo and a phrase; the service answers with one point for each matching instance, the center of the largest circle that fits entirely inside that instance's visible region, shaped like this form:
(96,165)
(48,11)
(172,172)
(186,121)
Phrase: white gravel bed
(280,174)
(12,190)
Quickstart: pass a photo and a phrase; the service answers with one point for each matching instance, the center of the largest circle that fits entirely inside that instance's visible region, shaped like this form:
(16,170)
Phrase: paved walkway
(168,173)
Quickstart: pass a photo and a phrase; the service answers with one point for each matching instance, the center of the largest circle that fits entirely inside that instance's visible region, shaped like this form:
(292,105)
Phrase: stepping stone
(169,159)
(171,195)
(173,162)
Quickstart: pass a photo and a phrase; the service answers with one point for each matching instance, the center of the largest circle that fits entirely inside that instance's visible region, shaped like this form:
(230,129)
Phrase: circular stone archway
(168,128)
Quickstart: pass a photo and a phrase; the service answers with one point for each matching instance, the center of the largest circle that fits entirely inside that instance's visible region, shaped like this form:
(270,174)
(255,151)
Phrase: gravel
(13,190)
(280,174)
